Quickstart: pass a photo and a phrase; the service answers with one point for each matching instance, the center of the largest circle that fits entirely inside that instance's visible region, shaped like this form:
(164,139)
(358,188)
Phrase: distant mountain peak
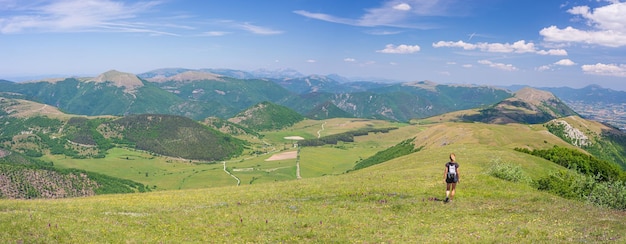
(528,105)
(191,75)
(533,95)
(425,84)
(120,79)
(277,74)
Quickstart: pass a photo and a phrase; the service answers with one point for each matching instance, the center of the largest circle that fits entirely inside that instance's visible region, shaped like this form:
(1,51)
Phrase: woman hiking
(451,177)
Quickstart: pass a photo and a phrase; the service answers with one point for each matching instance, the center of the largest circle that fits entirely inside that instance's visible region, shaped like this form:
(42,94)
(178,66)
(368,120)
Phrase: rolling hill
(528,105)
(22,177)
(396,201)
(46,130)
(266,116)
(202,93)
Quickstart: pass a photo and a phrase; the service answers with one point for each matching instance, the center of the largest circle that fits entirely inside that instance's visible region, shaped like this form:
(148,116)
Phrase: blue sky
(489,42)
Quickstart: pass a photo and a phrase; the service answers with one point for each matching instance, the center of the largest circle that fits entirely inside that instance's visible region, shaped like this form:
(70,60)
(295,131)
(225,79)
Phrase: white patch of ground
(283,156)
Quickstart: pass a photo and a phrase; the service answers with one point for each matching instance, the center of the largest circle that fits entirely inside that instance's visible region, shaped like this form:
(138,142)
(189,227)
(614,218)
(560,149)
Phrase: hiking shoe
(447,199)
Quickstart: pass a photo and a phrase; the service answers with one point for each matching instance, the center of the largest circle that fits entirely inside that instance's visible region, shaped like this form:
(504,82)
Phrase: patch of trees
(177,136)
(84,131)
(579,161)
(587,179)
(403,148)
(344,137)
(27,178)
(267,116)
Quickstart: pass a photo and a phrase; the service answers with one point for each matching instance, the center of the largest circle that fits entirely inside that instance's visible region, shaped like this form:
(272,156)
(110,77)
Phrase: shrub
(609,194)
(573,185)
(508,171)
(568,184)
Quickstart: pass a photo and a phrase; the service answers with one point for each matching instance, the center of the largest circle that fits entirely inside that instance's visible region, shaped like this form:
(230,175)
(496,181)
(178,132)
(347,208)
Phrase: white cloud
(520,46)
(544,68)
(311,61)
(402,7)
(618,70)
(565,62)
(349,60)
(401,49)
(553,52)
(607,26)
(562,62)
(507,67)
(467,66)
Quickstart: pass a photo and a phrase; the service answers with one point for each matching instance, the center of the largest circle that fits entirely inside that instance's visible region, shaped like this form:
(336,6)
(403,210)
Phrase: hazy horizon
(484,42)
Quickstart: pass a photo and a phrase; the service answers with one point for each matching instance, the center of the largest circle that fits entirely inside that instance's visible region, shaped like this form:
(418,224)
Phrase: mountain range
(226,155)
(203,114)
(199,94)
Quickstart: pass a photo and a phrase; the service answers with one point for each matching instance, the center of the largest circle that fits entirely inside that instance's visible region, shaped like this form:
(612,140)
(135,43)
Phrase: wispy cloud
(259,30)
(606,26)
(110,16)
(392,13)
(400,49)
(77,15)
(215,33)
(382,32)
(517,47)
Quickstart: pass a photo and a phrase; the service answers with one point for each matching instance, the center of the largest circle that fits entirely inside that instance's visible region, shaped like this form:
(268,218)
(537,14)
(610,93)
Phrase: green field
(397,201)
(163,173)
(387,203)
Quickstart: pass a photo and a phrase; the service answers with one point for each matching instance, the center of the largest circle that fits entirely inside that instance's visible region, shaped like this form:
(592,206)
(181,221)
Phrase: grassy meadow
(398,201)
(388,203)
(165,173)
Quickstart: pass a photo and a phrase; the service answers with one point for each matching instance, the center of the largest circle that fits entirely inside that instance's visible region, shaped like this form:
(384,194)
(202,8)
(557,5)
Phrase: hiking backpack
(451,171)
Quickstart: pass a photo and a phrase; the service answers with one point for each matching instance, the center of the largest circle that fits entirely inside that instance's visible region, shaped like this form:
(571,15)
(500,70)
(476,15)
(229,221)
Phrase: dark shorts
(452,179)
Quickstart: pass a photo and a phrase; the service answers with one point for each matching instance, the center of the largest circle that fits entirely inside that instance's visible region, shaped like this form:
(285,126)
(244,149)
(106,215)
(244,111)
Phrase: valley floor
(387,203)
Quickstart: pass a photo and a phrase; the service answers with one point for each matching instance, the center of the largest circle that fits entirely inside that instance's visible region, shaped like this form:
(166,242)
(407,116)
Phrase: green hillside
(22,177)
(198,94)
(600,140)
(173,136)
(528,105)
(390,202)
(274,192)
(38,134)
(266,116)
(327,110)
(223,97)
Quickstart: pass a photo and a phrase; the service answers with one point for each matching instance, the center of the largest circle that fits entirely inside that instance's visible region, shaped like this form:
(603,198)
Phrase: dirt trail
(319,132)
(227,172)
